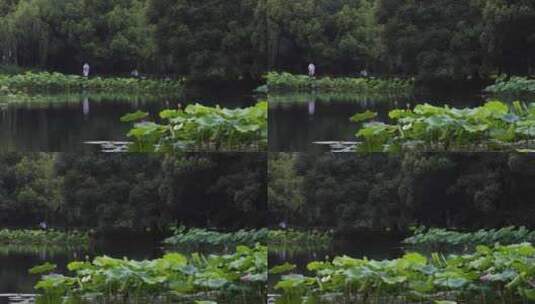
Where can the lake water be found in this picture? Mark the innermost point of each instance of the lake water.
(297, 121)
(15, 262)
(16, 283)
(372, 245)
(63, 123)
(359, 245)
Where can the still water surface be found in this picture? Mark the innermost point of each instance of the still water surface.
(297, 121)
(14, 276)
(377, 246)
(372, 246)
(63, 123)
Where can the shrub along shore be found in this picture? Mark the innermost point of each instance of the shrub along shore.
(512, 85)
(286, 82)
(43, 237)
(201, 236)
(43, 82)
(444, 238)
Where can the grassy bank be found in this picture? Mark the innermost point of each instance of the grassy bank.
(43, 237)
(43, 82)
(286, 82)
(443, 238)
(200, 236)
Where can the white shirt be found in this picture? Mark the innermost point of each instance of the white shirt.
(311, 69)
(86, 70)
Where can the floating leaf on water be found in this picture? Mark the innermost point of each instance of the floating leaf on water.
(368, 115)
(286, 267)
(136, 116)
(44, 268)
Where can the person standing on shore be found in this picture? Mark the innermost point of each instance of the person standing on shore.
(86, 69)
(311, 70)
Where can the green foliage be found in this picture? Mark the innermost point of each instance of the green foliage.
(44, 81)
(247, 38)
(43, 237)
(285, 194)
(501, 273)
(172, 277)
(293, 242)
(289, 82)
(493, 126)
(10, 95)
(29, 191)
(512, 85)
(202, 128)
(45, 268)
(507, 39)
(290, 98)
(284, 268)
(150, 192)
(39, 249)
(432, 39)
(445, 39)
(112, 36)
(199, 236)
(439, 238)
(363, 116)
(144, 192)
(208, 39)
(393, 192)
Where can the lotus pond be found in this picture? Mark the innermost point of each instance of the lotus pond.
(133, 267)
(389, 269)
(274, 238)
(491, 274)
(298, 121)
(16, 259)
(237, 277)
(68, 121)
(200, 128)
(494, 126)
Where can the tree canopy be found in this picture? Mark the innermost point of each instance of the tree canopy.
(386, 192)
(445, 39)
(133, 192)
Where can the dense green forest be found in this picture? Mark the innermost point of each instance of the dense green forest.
(446, 39)
(387, 192)
(132, 192)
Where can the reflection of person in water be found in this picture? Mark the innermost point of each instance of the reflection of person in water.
(85, 106)
(311, 107)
